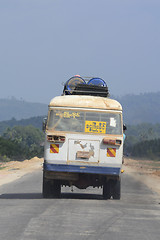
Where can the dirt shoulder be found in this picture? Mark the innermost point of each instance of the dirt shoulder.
(13, 170)
(145, 171)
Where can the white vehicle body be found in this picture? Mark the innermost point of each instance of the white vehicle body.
(83, 144)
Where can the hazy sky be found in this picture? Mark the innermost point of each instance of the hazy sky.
(45, 42)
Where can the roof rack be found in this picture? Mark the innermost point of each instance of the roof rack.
(91, 90)
(78, 86)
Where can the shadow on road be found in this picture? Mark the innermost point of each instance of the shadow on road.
(39, 196)
(81, 196)
(21, 196)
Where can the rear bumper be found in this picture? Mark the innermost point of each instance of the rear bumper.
(81, 169)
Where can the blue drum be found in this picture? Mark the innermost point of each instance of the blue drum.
(71, 84)
(97, 82)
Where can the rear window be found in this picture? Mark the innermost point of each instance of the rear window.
(84, 121)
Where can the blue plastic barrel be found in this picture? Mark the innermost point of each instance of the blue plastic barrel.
(97, 82)
(71, 83)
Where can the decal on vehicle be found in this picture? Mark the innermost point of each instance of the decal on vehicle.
(95, 127)
(54, 148)
(67, 114)
(111, 152)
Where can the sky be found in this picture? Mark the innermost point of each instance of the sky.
(43, 43)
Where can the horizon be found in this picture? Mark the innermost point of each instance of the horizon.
(12, 98)
(136, 108)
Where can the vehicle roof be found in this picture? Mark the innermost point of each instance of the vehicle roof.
(81, 101)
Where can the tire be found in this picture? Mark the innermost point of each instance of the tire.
(107, 190)
(51, 188)
(47, 188)
(56, 190)
(116, 189)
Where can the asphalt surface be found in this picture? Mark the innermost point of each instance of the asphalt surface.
(81, 214)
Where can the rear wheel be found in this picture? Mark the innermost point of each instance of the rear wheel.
(107, 190)
(116, 189)
(51, 188)
(47, 188)
(56, 189)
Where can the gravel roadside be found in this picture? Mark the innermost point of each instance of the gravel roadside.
(13, 170)
(146, 171)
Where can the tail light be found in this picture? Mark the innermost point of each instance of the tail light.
(112, 141)
(56, 138)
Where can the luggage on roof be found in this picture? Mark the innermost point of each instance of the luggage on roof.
(78, 86)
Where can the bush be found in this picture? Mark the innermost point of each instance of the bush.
(21, 143)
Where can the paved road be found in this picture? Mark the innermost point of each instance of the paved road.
(78, 215)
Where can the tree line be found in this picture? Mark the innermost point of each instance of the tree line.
(21, 142)
(18, 142)
(143, 141)
(147, 149)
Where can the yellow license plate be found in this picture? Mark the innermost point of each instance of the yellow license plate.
(95, 127)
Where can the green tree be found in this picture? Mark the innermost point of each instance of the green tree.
(29, 138)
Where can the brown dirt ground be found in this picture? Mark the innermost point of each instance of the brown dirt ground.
(13, 170)
(146, 171)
